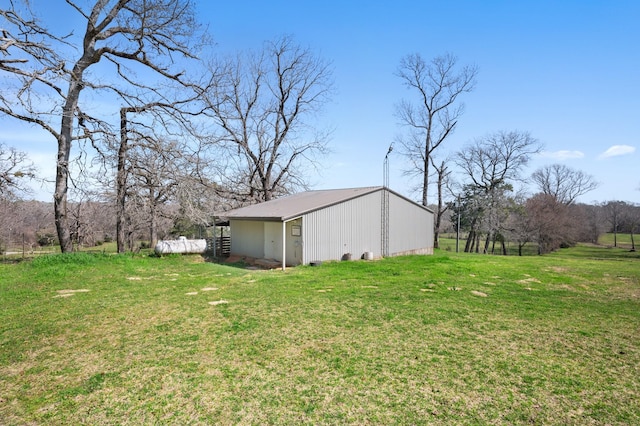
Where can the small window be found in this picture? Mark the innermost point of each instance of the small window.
(296, 230)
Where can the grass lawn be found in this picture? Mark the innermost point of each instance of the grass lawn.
(443, 339)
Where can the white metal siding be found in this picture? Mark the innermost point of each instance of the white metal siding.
(353, 226)
(349, 227)
(410, 227)
(247, 238)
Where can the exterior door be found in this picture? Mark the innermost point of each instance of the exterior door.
(295, 244)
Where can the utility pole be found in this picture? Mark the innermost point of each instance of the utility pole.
(385, 204)
(458, 227)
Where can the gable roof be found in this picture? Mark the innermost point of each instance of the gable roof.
(292, 206)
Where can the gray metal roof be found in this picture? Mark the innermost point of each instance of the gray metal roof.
(292, 206)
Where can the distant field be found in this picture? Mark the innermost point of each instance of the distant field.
(448, 243)
(624, 240)
(443, 339)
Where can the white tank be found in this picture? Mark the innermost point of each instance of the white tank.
(182, 245)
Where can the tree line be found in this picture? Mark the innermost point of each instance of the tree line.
(155, 130)
(186, 128)
(486, 199)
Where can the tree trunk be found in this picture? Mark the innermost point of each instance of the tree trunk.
(486, 243)
(153, 224)
(425, 177)
(468, 246)
(153, 234)
(121, 183)
(60, 194)
(62, 168)
(64, 150)
(436, 232)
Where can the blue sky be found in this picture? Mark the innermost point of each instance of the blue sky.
(565, 71)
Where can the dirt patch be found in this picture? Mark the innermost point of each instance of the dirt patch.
(69, 293)
(210, 289)
(192, 293)
(478, 293)
(558, 269)
(565, 287)
(529, 280)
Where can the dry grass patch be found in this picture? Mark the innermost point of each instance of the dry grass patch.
(69, 293)
(558, 269)
(529, 280)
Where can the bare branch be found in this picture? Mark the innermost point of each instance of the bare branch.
(563, 183)
(437, 86)
(263, 104)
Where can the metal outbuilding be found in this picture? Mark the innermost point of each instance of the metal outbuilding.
(320, 225)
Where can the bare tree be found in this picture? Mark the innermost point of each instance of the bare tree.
(550, 221)
(437, 86)
(629, 220)
(45, 85)
(156, 168)
(264, 105)
(588, 222)
(614, 212)
(443, 174)
(563, 183)
(520, 226)
(492, 164)
(160, 115)
(15, 168)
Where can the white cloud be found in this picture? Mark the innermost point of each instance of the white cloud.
(562, 154)
(617, 150)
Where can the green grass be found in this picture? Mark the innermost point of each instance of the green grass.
(443, 339)
(624, 240)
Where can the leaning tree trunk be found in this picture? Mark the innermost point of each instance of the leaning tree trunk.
(486, 243)
(64, 147)
(62, 165)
